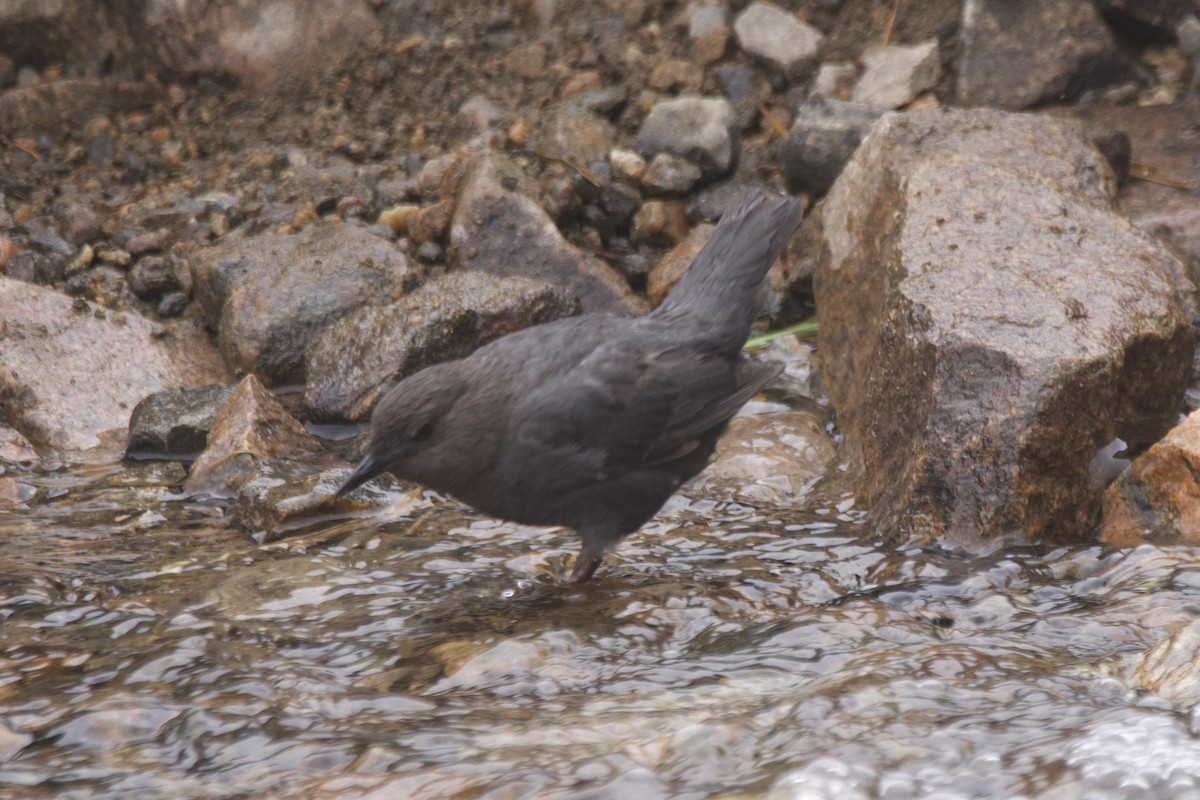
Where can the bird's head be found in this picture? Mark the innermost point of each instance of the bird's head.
(407, 427)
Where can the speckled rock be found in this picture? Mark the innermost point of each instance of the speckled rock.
(71, 371)
(988, 322)
(268, 296)
(358, 358)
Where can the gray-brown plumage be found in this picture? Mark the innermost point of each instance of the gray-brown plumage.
(592, 422)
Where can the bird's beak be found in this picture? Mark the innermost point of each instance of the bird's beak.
(362, 473)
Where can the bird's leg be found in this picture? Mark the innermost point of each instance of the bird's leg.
(585, 566)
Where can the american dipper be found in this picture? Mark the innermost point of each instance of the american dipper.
(592, 422)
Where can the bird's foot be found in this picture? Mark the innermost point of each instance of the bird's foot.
(585, 567)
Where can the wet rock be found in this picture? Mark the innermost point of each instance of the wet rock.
(777, 36)
(508, 660)
(660, 222)
(772, 458)
(358, 358)
(250, 426)
(670, 269)
(699, 129)
(69, 103)
(988, 322)
(1171, 669)
(505, 233)
(576, 135)
(670, 174)
(264, 46)
(280, 497)
(268, 296)
(174, 422)
(1021, 54)
(1158, 498)
(895, 74)
(823, 138)
(15, 448)
(69, 371)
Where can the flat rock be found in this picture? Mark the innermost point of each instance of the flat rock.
(702, 130)
(358, 358)
(777, 36)
(251, 426)
(268, 296)
(174, 423)
(988, 322)
(1021, 54)
(70, 370)
(895, 74)
(823, 137)
(505, 233)
(1157, 499)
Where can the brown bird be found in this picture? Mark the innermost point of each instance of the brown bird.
(592, 422)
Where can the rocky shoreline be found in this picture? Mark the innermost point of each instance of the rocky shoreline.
(319, 200)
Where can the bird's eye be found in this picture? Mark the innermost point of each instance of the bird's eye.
(423, 432)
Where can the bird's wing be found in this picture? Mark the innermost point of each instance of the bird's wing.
(635, 407)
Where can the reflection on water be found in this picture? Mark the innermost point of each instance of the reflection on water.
(148, 650)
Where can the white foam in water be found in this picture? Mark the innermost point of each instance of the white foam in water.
(1137, 755)
(827, 778)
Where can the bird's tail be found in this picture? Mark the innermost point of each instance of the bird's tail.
(721, 287)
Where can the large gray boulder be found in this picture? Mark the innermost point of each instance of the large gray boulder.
(988, 322)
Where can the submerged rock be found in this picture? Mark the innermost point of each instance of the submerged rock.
(70, 370)
(988, 322)
(772, 458)
(269, 296)
(358, 358)
(1158, 498)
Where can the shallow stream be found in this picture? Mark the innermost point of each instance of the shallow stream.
(149, 650)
